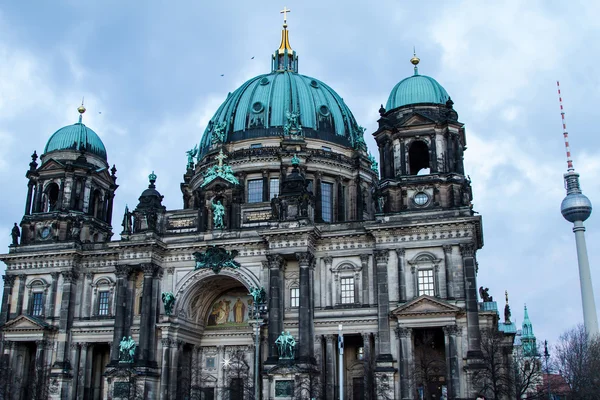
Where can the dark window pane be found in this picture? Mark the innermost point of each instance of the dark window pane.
(255, 191)
(103, 302)
(294, 297)
(273, 187)
(326, 200)
(38, 306)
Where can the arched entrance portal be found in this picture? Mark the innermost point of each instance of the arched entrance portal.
(212, 346)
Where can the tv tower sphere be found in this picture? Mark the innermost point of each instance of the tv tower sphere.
(575, 206)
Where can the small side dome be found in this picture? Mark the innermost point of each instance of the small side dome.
(77, 137)
(416, 89)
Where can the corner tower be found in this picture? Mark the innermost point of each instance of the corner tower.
(421, 145)
(70, 194)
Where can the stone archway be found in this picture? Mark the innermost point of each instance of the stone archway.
(214, 313)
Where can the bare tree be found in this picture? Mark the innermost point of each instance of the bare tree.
(528, 374)
(430, 365)
(577, 359)
(307, 384)
(239, 385)
(9, 383)
(494, 378)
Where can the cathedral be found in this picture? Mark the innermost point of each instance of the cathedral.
(299, 265)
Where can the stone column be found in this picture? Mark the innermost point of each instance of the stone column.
(305, 312)
(82, 371)
(400, 252)
(364, 262)
(330, 357)
(21, 294)
(452, 366)
(155, 310)
(164, 370)
(326, 282)
(368, 366)
(30, 185)
(449, 273)
(318, 202)
(52, 300)
(383, 307)
(66, 318)
(39, 360)
(109, 207)
(474, 334)
(148, 317)
(276, 263)
(86, 302)
(405, 360)
(121, 327)
(174, 367)
(75, 365)
(9, 281)
(37, 201)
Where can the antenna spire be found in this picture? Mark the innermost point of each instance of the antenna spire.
(570, 167)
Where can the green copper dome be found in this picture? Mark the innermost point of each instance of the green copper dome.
(281, 103)
(76, 137)
(417, 89)
(261, 107)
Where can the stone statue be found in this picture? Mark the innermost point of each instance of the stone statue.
(218, 132)
(259, 295)
(484, 294)
(275, 213)
(75, 232)
(168, 299)
(127, 223)
(190, 155)
(218, 214)
(127, 350)
(507, 314)
(15, 233)
(292, 126)
(286, 345)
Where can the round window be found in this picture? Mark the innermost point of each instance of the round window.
(264, 81)
(257, 107)
(421, 198)
(314, 83)
(324, 111)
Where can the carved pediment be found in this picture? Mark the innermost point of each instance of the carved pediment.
(425, 305)
(26, 323)
(417, 119)
(51, 164)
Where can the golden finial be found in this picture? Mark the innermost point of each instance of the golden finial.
(285, 39)
(415, 60)
(81, 108)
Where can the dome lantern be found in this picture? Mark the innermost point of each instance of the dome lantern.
(285, 58)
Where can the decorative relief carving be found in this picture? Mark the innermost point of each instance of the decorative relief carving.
(304, 258)
(447, 248)
(467, 250)
(451, 330)
(328, 260)
(69, 276)
(400, 251)
(275, 261)
(403, 332)
(364, 259)
(9, 280)
(122, 271)
(381, 256)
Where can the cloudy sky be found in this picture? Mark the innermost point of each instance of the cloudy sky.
(151, 77)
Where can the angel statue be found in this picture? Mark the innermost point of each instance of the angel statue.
(168, 299)
(190, 155)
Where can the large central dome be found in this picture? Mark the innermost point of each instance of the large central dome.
(271, 104)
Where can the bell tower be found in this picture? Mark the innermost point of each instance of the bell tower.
(421, 145)
(70, 192)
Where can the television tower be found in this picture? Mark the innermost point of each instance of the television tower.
(576, 208)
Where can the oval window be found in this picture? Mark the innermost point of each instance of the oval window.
(257, 107)
(421, 198)
(324, 111)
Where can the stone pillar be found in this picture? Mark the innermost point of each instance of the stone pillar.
(405, 349)
(318, 202)
(164, 371)
(174, 367)
(30, 185)
(148, 317)
(265, 186)
(86, 301)
(368, 366)
(51, 304)
(65, 321)
(364, 262)
(452, 365)
(330, 369)
(75, 365)
(156, 307)
(39, 360)
(109, 207)
(383, 307)
(81, 384)
(328, 291)
(37, 201)
(9, 281)
(400, 252)
(305, 312)
(121, 327)
(276, 263)
(21, 294)
(474, 334)
(449, 273)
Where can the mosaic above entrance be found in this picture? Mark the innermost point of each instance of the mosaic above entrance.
(230, 310)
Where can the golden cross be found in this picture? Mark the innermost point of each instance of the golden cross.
(284, 12)
(220, 158)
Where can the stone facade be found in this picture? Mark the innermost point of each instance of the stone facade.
(391, 259)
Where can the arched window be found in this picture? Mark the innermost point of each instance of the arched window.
(418, 158)
(96, 204)
(425, 270)
(50, 197)
(103, 296)
(347, 283)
